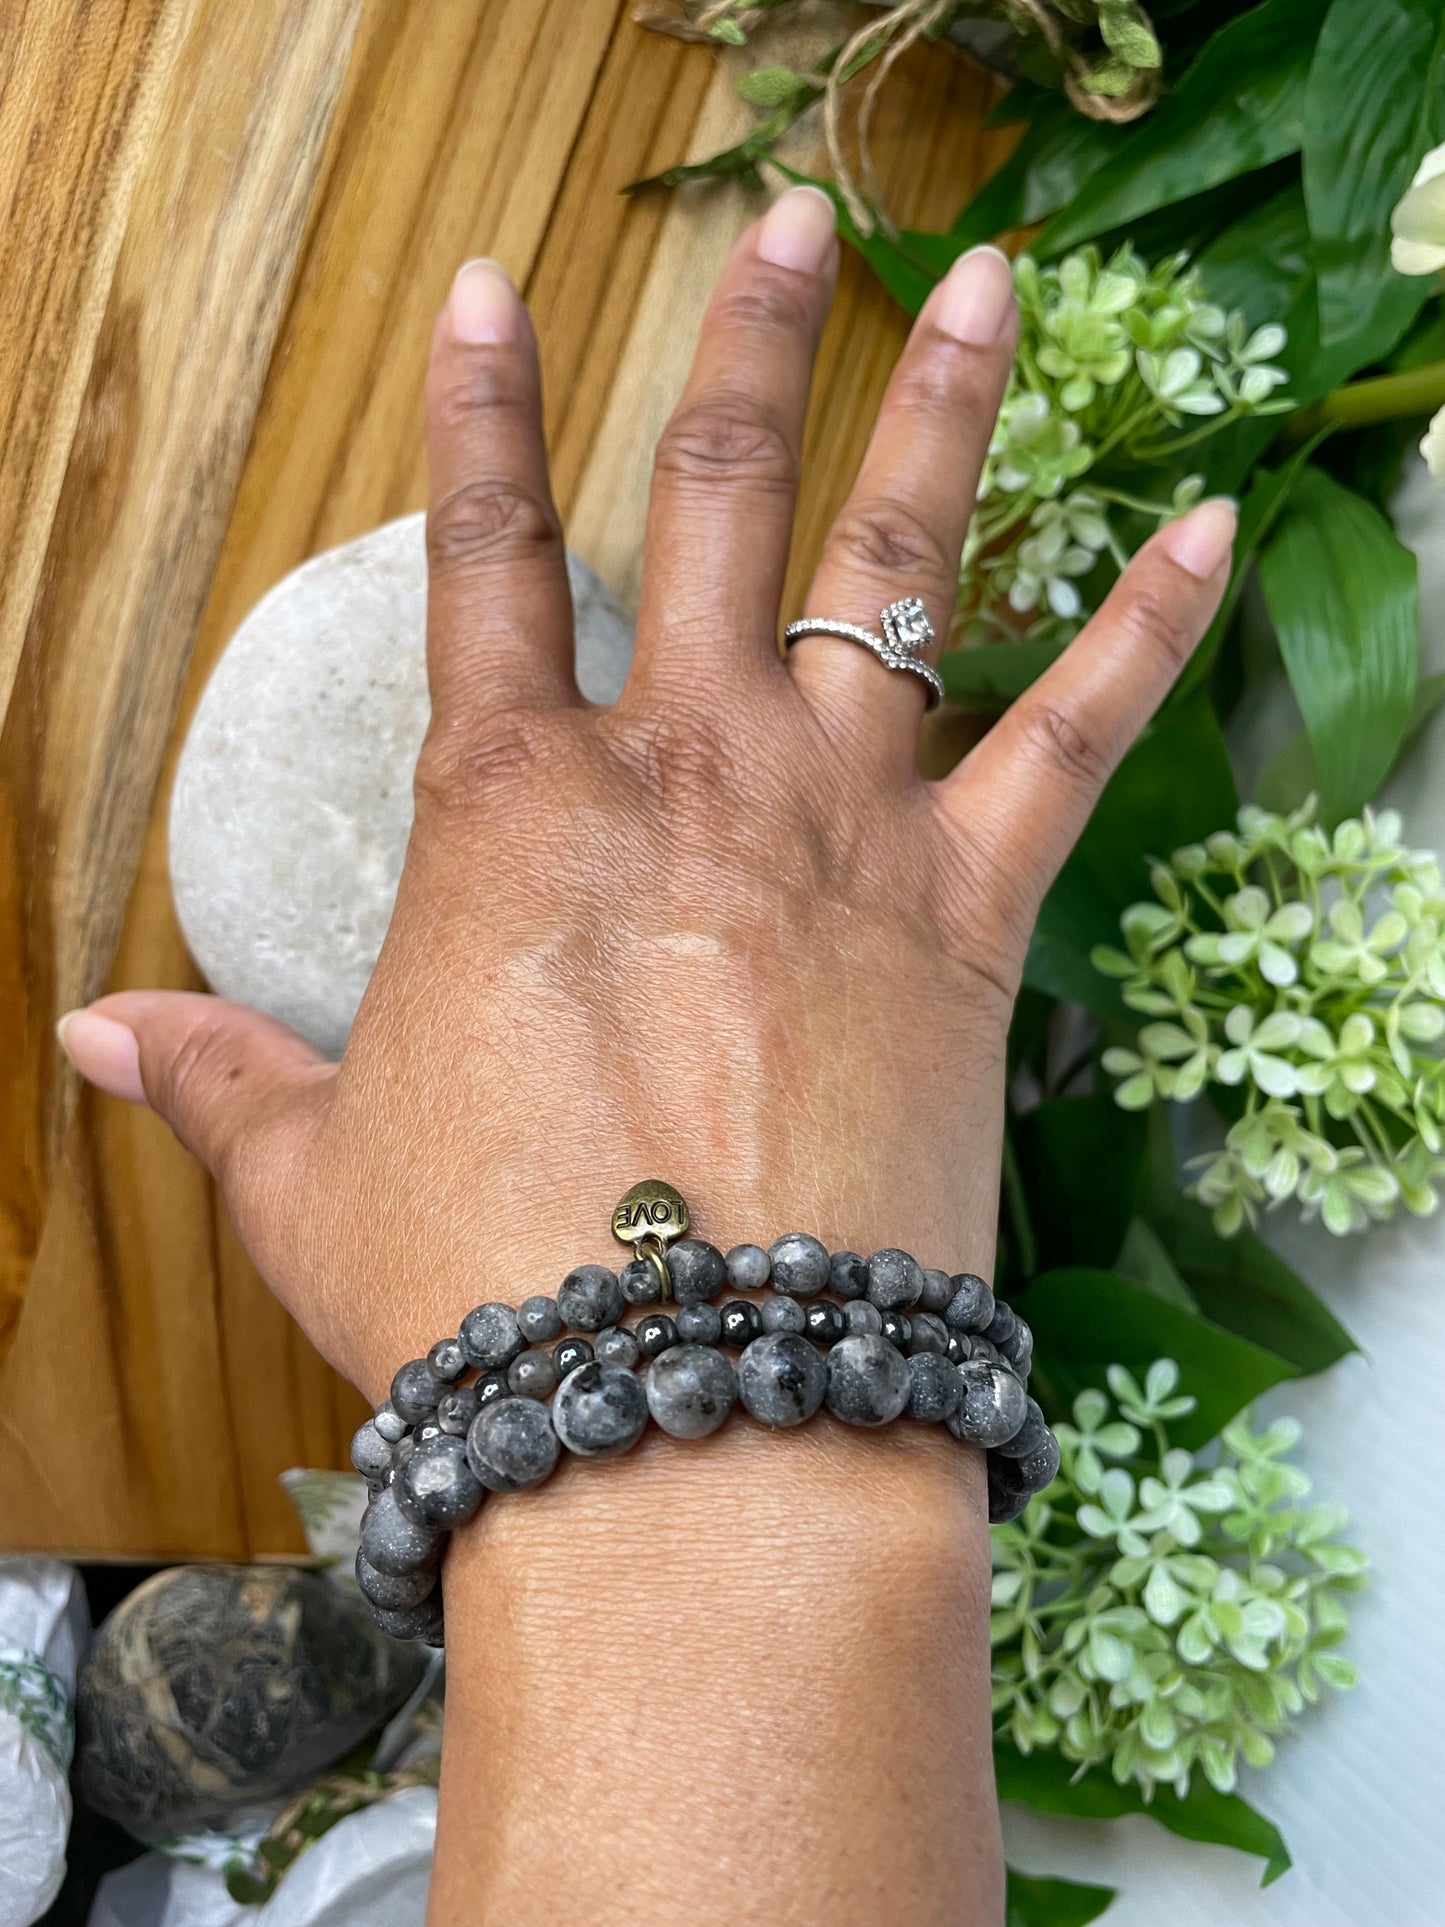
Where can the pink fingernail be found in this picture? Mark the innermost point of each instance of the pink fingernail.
(799, 231)
(1201, 541)
(976, 298)
(104, 1052)
(484, 306)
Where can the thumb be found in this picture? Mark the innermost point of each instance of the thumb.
(218, 1073)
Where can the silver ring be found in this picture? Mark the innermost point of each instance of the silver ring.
(907, 632)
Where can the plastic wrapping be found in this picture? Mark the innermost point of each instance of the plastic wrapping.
(44, 1627)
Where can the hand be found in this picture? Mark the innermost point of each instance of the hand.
(722, 932)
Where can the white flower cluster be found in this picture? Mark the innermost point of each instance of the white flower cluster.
(1417, 246)
(1307, 971)
(1114, 358)
(1154, 1616)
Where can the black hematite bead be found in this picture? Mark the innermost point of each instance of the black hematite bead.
(698, 1271)
(640, 1282)
(823, 1322)
(930, 1334)
(489, 1386)
(800, 1265)
(539, 1319)
(960, 1347)
(655, 1334)
(571, 1353)
(428, 1429)
(741, 1322)
(897, 1329)
(699, 1324)
(847, 1275)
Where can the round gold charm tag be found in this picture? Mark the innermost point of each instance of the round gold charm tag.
(651, 1209)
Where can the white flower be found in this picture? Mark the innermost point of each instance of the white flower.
(1255, 1050)
(1418, 222)
(1432, 446)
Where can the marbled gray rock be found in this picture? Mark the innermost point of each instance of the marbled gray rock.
(690, 1390)
(994, 1405)
(781, 1379)
(599, 1411)
(868, 1381)
(512, 1445)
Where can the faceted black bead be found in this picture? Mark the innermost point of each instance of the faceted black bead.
(491, 1337)
(749, 1267)
(640, 1282)
(971, 1305)
(415, 1391)
(898, 1329)
(616, 1346)
(782, 1314)
(960, 1347)
(929, 1334)
(937, 1291)
(589, 1297)
(456, 1410)
(741, 1322)
(532, 1375)
(447, 1360)
(699, 1324)
(655, 1334)
(698, 1271)
(539, 1319)
(800, 1265)
(847, 1275)
(935, 1390)
(895, 1281)
(823, 1322)
(571, 1353)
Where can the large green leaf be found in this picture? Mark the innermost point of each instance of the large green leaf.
(1373, 105)
(1034, 1902)
(1085, 1320)
(1061, 149)
(909, 263)
(1239, 107)
(990, 676)
(1343, 597)
(1084, 1160)
(1045, 1782)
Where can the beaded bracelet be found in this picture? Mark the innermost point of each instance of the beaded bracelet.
(903, 1341)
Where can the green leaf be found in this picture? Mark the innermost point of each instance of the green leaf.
(1343, 597)
(909, 264)
(1085, 1320)
(1143, 1257)
(1060, 151)
(1174, 787)
(1086, 1157)
(773, 87)
(992, 675)
(1374, 104)
(1034, 1902)
(1239, 107)
(1045, 1782)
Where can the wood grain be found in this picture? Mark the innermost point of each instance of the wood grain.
(503, 127)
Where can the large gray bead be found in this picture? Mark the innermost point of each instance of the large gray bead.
(868, 1382)
(392, 1591)
(799, 1265)
(532, 1374)
(437, 1487)
(616, 1346)
(491, 1337)
(781, 1379)
(895, 1281)
(1030, 1435)
(691, 1390)
(698, 1271)
(847, 1275)
(927, 1332)
(971, 1306)
(934, 1391)
(599, 1411)
(422, 1621)
(394, 1543)
(415, 1391)
(512, 1445)
(589, 1298)
(781, 1314)
(370, 1453)
(698, 1325)
(1040, 1467)
(937, 1291)
(860, 1316)
(994, 1405)
(749, 1267)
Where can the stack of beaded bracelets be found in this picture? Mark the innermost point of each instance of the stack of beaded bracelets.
(902, 1341)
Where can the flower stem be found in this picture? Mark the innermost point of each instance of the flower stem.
(1380, 398)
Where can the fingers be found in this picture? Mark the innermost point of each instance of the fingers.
(726, 468)
(901, 530)
(1026, 792)
(499, 614)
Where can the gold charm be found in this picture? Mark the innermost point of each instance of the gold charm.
(649, 1218)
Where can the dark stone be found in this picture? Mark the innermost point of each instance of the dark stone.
(415, 1391)
(1002, 1328)
(512, 1445)
(960, 1347)
(1018, 1347)
(370, 1453)
(994, 1405)
(1008, 1491)
(491, 1337)
(655, 1334)
(781, 1379)
(616, 1346)
(782, 1314)
(699, 1325)
(539, 1319)
(749, 1267)
(391, 1541)
(937, 1291)
(690, 1390)
(571, 1353)
(823, 1322)
(389, 1422)
(897, 1328)
(589, 1298)
(492, 1385)
(971, 1305)
(800, 1265)
(1039, 1468)
(437, 1488)
(600, 1410)
(698, 1271)
(868, 1380)
(847, 1275)
(639, 1282)
(934, 1390)
(742, 1322)
(447, 1360)
(532, 1374)
(420, 1622)
(895, 1281)
(457, 1409)
(391, 1591)
(860, 1316)
(929, 1333)
(213, 1688)
(1030, 1435)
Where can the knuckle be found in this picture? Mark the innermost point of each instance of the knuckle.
(723, 440)
(490, 521)
(467, 391)
(766, 305)
(1151, 618)
(207, 1063)
(938, 384)
(891, 537)
(1054, 737)
(455, 771)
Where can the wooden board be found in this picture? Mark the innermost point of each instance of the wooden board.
(299, 193)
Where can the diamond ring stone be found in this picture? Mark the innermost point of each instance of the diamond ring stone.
(907, 632)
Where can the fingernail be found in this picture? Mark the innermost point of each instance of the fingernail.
(799, 231)
(104, 1052)
(976, 298)
(484, 306)
(1201, 540)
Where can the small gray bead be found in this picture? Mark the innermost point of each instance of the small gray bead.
(860, 1316)
(1040, 1467)
(749, 1267)
(428, 1429)
(414, 1391)
(781, 1314)
(392, 1542)
(895, 1281)
(392, 1591)
(928, 1333)
(994, 1405)
(1018, 1346)
(699, 1324)
(690, 1390)
(512, 1445)
(457, 1409)
(639, 1282)
(1030, 1435)
(599, 1411)
(1002, 1328)
(389, 1422)
(370, 1453)
(934, 1391)
(781, 1379)
(981, 1349)
(491, 1337)
(847, 1275)
(589, 1298)
(532, 1375)
(422, 1621)
(698, 1271)
(616, 1346)
(437, 1487)
(447, 1360)
(539, 1319)
(868, 1380)
(800, 1265)
(937, 1291)
(971, 1305)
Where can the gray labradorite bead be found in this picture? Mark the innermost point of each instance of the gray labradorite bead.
(393, 1591)
(895, 1281)
(491, 1337)
(749, 1267)
(539, 1319)
(1030, 1435)
(532, 1375)
(981, 1349)
(937, 1291)
(860, 1316)
(698, 1325)
(415, 1391)
(457, 1409)
(800, 1265)
(928, 1333)
(971, 1306)
(422, 1621)
(1008, 1492)
(370, 1453)
(640, 1282)
(616, 1346)
(447, 1360)
(590, 1298)
(847, 1275)
(781, 1314)
(511, 1445)
(1018, 1349)
(1039, 1467)
(994, 1405)
(698, 1271)
(1002, 1328)
(691, 1390)
(868, 1381)
(599, 1411)
(437, 1487)
(389, 1422)
(934, 1391)
(781, 1379)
